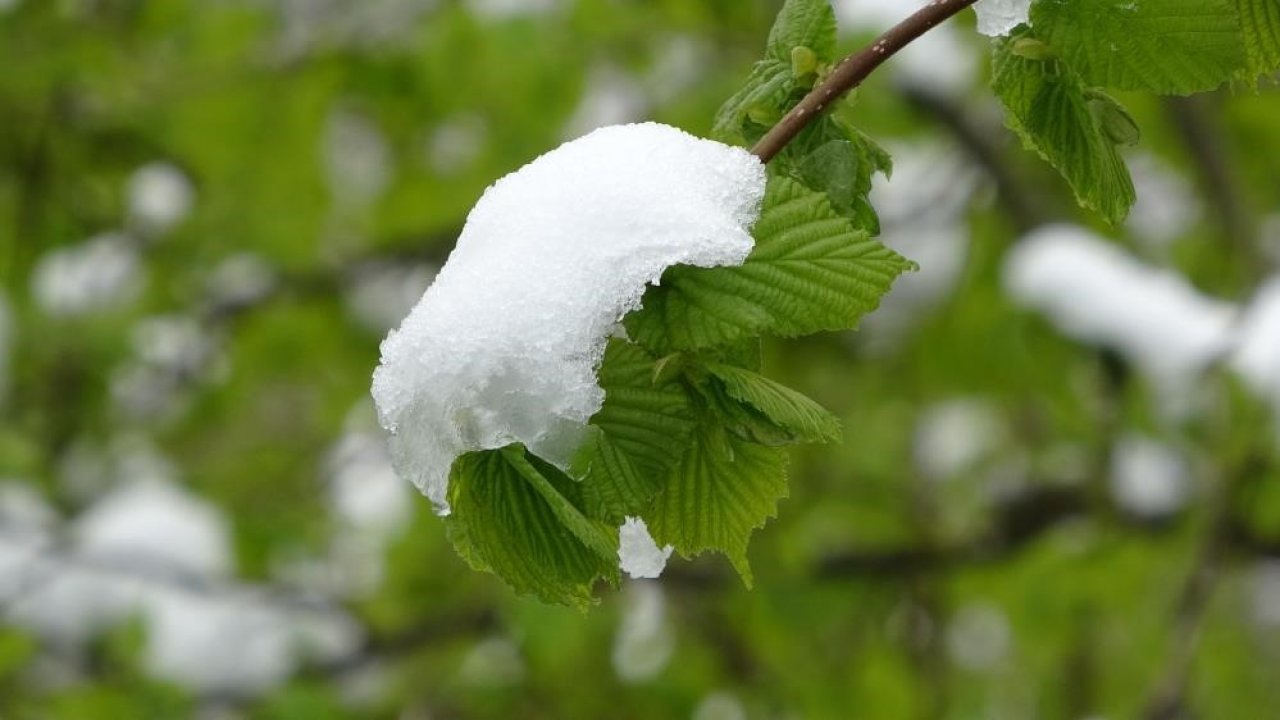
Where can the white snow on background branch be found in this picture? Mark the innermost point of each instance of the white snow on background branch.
(98, 275)
(160, 196)
(1149, 479)
(1257, 356)
(154, 551)
(998, 17)
(504, 345)
(1096, 292)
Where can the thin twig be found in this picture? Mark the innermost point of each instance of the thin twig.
(851, 72)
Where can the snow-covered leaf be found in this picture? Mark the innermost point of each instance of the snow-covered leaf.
(505, 344)
(811, 271)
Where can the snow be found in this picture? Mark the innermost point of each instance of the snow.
(1096, 292)
(1265, 595)
(240, 280)
(456, 143)
(979, 637)
(160, 196)
(998, 17)
(1257, 355)
(638, 555)
(100, 274)
(720, 705)
(1149, 479)
(504, 346)
(1167, 206)
(155, 523)
(151, 550)
(357, 158)
(953, 436)
(493, 662)
(645, 640)
(506, 9)
(379, 294)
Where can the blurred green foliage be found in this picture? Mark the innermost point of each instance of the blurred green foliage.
(873, 580)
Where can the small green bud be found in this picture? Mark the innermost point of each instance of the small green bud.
(803, 61)
(1032, 49)
(764, 115)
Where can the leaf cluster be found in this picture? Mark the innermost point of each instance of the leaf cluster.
(690, 434)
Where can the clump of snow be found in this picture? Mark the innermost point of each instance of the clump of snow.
(645, 639)
(160, 196)
(1166, 207)
(978, 637)
(720, 705)
(380, 294)
(638, 555)
(239, 280)
(157, 524)
(1266, 594)
(493, 662)
(101, 274)
(1148, 478)
(151, 550)
(1096, 292)
(504, 9)
(504, 346)
(456, 143)
(1257, 355)
(357, 158)
(951, 437)
(998, 17)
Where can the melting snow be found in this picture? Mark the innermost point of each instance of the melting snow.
(638, 555)
(998, 17)
(1096, 292)
(504, 345)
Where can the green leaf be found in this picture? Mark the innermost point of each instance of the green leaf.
(1055, 115)
(803, 23)
(1174, 47)
(647, 421)
(514, 516)
(800, 417)
(614, 487)
(832, 157)
(722, 490)
(768, 92)
(1260, 27)
(764, 96)
(594, 535)
(810, 271)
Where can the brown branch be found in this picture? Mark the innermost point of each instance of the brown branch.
(851, 72)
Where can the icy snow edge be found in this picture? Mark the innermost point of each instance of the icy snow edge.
(504, 346)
